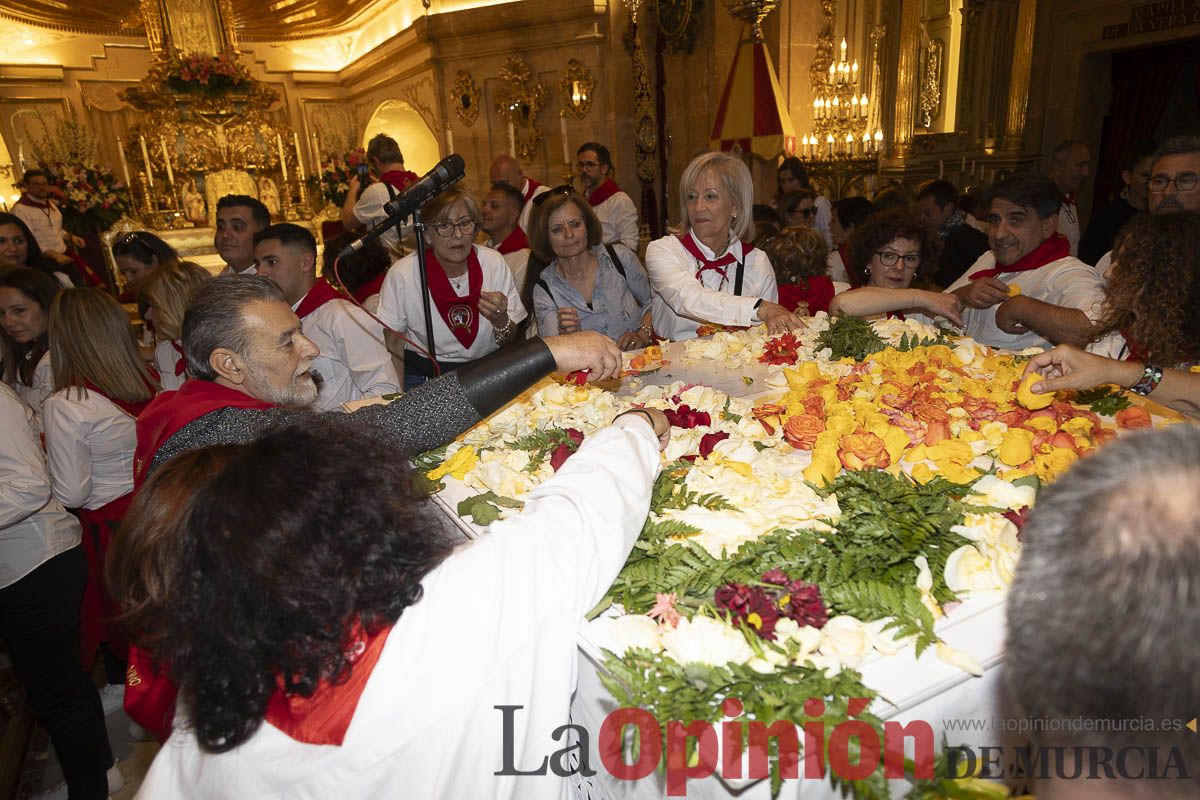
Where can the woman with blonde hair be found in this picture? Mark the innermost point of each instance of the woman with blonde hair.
(707, 274)
(101, 385)
(166, 292)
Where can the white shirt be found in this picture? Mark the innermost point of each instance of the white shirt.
(354, 362)
(1068, 225)
(497, 625)
(527, 209)
(369, 210)
(1102, 267)
(682, 303)
(517, 260)
(34, 527)
(822, 218)
(89, 448)
(401, 309)
(250, 270)
(837, 267)
(45, 224)
(1067, 282)
(619, 221)
(35, 394)
(165, 359)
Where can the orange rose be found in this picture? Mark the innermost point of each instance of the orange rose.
(814, 404)
(928, 412)
(938, 431)
(1134, 417)
(1063, 440)
(863, 450)
(801, 430)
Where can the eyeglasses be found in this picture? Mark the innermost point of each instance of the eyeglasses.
(446, 229)
(587, 165)
(1183, 183)
(889, 258)
(564, 189)
(807, 213)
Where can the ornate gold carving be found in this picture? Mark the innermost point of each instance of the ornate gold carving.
(931, 82)
(520, 104)
(102, 96)
(677, 23)
(465, 98)
(646, 134)
(577, 86)
(752, 12)
(1018, 86)
(906, 78)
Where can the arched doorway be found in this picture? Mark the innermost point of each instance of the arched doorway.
(403, 123)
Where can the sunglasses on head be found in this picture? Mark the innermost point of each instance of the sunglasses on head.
(565, 188)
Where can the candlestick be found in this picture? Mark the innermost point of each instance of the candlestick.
(146, 159)
(449, 139)
(299, 158)
(124, 163)
(854, 70)
(512, 140)
(878, 140)
(829, 145)
(854, 106)
(849, 144)
(963, 166)
(866, 144)
(562, 121)
(832, 72)
(843, 48)
(162, 140)
(941, 169)
(282, 156)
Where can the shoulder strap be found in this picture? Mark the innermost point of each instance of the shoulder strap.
(546, 288)
(737, 278)
(612, 253)
(391, 190)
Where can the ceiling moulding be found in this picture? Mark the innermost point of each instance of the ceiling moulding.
(86, 17)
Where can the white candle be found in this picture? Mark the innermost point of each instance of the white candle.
(124, 163)
(162, 140)
(562, 121)
(878, 140)
(512, 140)
(849, 144)
(854, 106)
(941, 169)
(146, 160)
(299, 158)
(282, 155)
(829, 145)
(449, 139)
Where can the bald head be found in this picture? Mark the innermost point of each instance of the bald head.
(506, 169)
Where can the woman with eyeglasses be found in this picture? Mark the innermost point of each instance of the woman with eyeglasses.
(25, 298)
(474, 303)
(797, 208)
(709, 273)
(587, 285)
(791, 177)
(888, 253)
(19, 248)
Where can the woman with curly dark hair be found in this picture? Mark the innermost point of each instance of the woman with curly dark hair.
(888, 254)
(1152, 302)
(349, 615)
(800, 259)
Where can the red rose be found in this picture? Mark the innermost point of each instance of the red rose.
(565, 451)
(687, 417)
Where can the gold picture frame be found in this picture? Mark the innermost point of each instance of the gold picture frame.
(578, 86)
(465, 98)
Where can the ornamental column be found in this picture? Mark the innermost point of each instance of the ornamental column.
(1018, 85)
(906, 78)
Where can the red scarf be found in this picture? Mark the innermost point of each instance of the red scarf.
(371, 287)
(531, 187)
(325, 717)
(603, 192)
(399, 179)
(170, 411)
(461, 314)
(180, 361)
(1052, 249)
(717, 265)
(131, 407)
(517, 240)
(97, 606)
(321, 293)
(41, 205)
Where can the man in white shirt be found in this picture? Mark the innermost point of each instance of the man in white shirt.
(239, 217)
(1057, 296)
(354, 362)
(499, 212)
(364, 210)
(42, 215)
(618, 216)
(1069, 168)
(506, 169)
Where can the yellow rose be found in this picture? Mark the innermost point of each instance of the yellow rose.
(954, 472)
(1078, 426)
(1016, 447)
(1047, 424)
(457, 465)
(954, 450)
(922, 473)
(824, 467)
(993, 432)
(1027, 398)
(1049, 466)
(918, 452)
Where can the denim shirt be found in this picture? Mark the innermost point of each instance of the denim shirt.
(618, 304)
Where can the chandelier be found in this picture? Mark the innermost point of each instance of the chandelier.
(840, 113)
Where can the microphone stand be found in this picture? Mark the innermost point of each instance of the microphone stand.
(419, 231)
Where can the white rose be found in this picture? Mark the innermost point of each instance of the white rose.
(628, 631)
(967, 570)
(806, 637)
(846, 639)
(998, 493)
(957, 658)
(704, 640)
(987, 528)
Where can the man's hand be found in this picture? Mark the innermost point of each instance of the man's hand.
(1010, 315)
(657, 420)
(494, 307)
(78, 241)
(777, 318)
(983, 293)
(1067, 367)
(586, 350)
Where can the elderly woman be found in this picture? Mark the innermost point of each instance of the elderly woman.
(707, 274)
(886, 253)
(587, 285)
(474, 303)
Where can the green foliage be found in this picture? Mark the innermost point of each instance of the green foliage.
(729, 415)
(1103, 400)
(541, 444)
(484, 509)
(670, 492)
(908, 343)
(850, 337)
(430, 459)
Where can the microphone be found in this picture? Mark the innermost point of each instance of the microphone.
(449, 171)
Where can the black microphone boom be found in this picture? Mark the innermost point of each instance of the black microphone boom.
(449, 171)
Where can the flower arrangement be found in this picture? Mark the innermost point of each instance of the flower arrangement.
(89, 195)
(334, 178)
(208, 74)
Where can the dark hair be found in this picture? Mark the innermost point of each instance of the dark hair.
(21, 359)
(384, 149)
(290, 575)
(216, 318)
(880, 229)
(795, 166)
(600, 150)
(34, 173)
(1098, 615)
(891, 199)
(259, 212)
(798, 253)
(539, 235)
(1063, 149)
(143, 246)
(942, 192)
(288, 234)
(509, 191)
(1140, 151)
(1187, 144)
(355, 269)
(852, 211)
(33, 258)
(789, 201)
(1027, 191)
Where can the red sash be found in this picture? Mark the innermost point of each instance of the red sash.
(325, 717)
(718, 265)
(399, 179)
(170, 411)
(461, 314)
(180, 361)
(1052, 249)
(371, 287)
(603, 192)
(99, 526)
(531, 187)
(149, 694)
(517, 240)
(131, 407)
(815, 295)
(321, 293)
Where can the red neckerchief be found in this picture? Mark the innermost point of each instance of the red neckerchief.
(718, 265)
(170, 411)
(131, 407)
(26, 200)
(517, 240)
(603, 192)
(1052, 249)
(180, 361)
(373, 286)
(321, 293)
(325, 717)
(1069, 198)
(461, 314)
(399, 179)
(531, 187)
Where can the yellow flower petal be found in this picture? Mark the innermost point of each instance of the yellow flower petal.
(456, 466)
